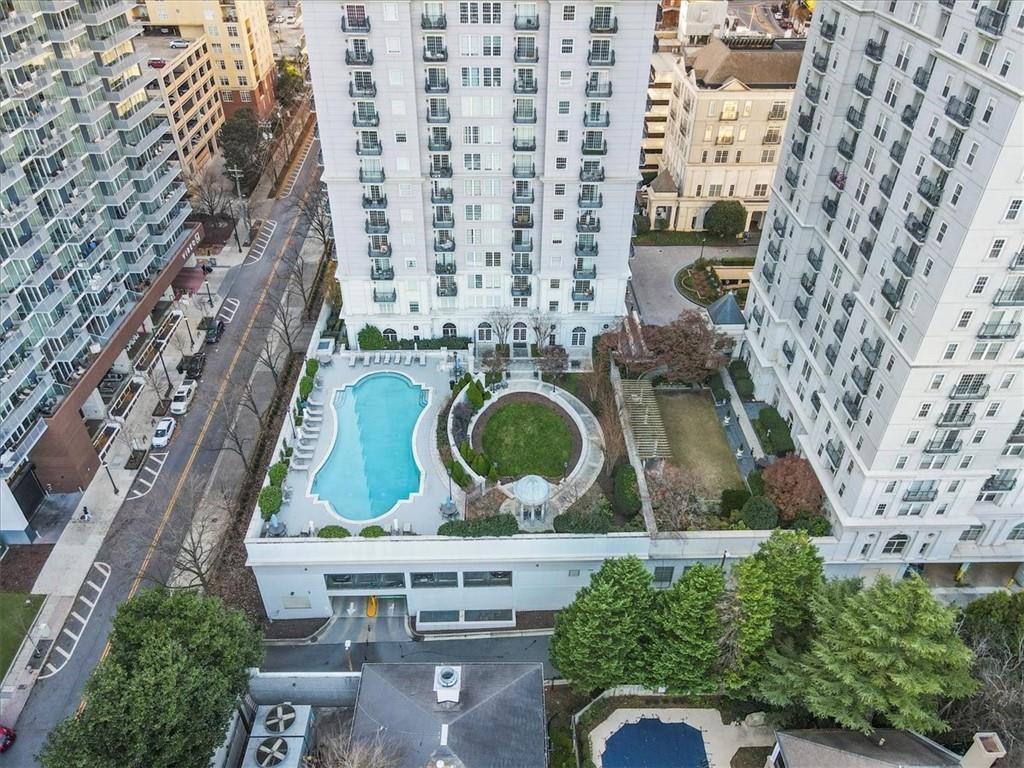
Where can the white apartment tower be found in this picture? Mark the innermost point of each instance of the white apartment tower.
(885, 312)
(481, 156)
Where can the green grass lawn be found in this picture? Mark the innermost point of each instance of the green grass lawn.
(697, 440)
(16, 616)
(527, 439)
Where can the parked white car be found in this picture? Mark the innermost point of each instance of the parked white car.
(183, 397)
(164, 431)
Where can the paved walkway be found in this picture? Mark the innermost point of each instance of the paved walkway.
(720, 740)
(739, 415)
(654, 276)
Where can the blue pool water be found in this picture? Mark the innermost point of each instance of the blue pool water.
(371, 466)
(654, 744)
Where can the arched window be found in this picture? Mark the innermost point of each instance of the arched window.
(896, 544)
(519, 332)
(1016, 533)
(579, 336)
(484, 332)
(448, 330)
(390, 335)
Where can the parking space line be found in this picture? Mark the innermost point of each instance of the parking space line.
(93, 586)
(103, 569)
(293, 176)
(62, 652)
(228, 310)
(86, 600)
(143, 485)
(259, 245)
(75, 614)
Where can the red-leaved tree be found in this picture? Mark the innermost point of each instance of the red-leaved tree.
(689, 347)
(792, 486)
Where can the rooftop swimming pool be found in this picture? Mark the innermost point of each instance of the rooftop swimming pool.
(372, 466)
(650, 743)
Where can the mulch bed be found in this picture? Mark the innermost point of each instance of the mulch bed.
(576, 449)
(216, 231)
(486, 505)
(292, 629)
(21, 565)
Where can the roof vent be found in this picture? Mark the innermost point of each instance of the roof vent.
(280, 718)
(447, 683)
(272, 751)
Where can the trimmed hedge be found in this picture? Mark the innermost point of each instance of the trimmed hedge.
(815, 525)
(626, 492)
(780, 441)
(459, 476)
(333, 532)
(269, 501)
(373, 532)
(733, 499)
(718, 388)
(760, 514)
(495, 525)
(744, 388)
(756, 483)
(371, 338)
(277, 473)
(598, 520)
(305, 387)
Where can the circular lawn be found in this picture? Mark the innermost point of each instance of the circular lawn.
(528, 437)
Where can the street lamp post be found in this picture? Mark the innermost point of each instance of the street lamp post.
(209, 295)
(160, 354)
(117, 491)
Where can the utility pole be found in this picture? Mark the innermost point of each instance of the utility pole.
(237, 174)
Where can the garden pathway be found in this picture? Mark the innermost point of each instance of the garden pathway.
(645, 420)
(753, 445)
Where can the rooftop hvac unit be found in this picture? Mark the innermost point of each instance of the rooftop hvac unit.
(285, 719)
(280, 736)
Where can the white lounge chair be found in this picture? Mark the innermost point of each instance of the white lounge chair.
(423, 359)
(407, 529)
(396, 527)
(408, 359)
(376, 358)
(352, 361)
(366, 361)
(300, 465)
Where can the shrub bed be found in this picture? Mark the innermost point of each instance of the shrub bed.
(333, 532)
(741, 379)
(495, 525)
(626, 491)
(373, 532)
(773, 432)
(371, 338)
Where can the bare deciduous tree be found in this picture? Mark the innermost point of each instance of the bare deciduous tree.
(495, 362)
(210, 193)
(678, 498)
(501, 323)
(269, 353)
(286, 327)
(337, 749)
(314, 210)
(196, 559)
(294, 269)
(607, 413)
(554, 360)
(542, 325)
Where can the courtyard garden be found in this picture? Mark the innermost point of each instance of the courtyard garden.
(697, 441)
(527, 438)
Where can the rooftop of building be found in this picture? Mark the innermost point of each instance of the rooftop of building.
(466, 718)
(726, 311)
(159, 47)
(885, 748)
(756, 63)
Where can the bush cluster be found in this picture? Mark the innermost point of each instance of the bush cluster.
(306, 387)
(373, 532)
(371, 339)
(741, 378)
(760, 514)
(312, 367)
(733, 499)
(277, 473)
(333, 532)
(626, 491)
(269, 501)
(495, 525)
(478, 461)
(598, 519)
(773, 432)
(718, 388)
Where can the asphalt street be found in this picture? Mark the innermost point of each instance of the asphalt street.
(163, 514)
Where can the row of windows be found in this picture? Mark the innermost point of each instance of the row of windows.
(468, 615)
(354, 581)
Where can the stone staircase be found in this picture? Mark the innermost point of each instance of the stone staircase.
(645, 420)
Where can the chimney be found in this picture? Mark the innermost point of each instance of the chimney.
(986, 749)
(447, 684)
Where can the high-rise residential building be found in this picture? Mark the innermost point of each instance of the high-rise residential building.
(186, 83)
(239, 39)
(727, 108)
(481, 156)
(885, 314)
(92, 232)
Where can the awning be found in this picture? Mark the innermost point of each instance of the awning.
(188, 280)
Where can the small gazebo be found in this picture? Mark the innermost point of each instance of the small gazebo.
(532, 493)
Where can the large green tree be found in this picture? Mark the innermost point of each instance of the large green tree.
(794, 572)
(599, 638)
(242, 143)
(752, 624)
(888, 655)
(726, 218)
(687, 631)
(164, 693)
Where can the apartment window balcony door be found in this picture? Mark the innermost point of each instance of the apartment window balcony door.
(520, 346)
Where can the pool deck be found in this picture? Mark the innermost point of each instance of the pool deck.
(720, 740)
(421, 511)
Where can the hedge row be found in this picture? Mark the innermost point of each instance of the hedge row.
(371, 338)
(495, 525)
(626, 491)
(773, 432)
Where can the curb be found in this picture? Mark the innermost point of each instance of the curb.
(486, 635)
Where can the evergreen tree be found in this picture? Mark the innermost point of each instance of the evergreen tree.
(599, 638)
(687, 631)
(888, 655)
(794, 571)
(754, 614)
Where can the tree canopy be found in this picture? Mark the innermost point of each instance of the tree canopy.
(689, 348)
(165, 692)
(241, 141)
(792, 486)
(289, 84)
(726, 218)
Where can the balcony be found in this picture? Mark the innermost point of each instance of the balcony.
(523, 198)
(832, 353)
(917, 227)
(792, 177)
(768, 272)
(444, 245)
(592, 175)
(758, 315)
(820, 62)
(522, 246)
(828, 30)
(855, 118)
(909, 115)
(524, 117)
(522, 267)
(848, 302)
(779, 226)
(382, 273)
(522, 289)
(368, 150)
(839, 328)
(375, 203)
(788, 351)
(852, 403)
(432, 21)
(924, 494)
(524, 145)
(365, 91)
(886, 184)
(943, 446)
(355, 25)
(774, 249)
(801, 305)
(598, 90)
(862, 378)
(447, 289)
(872, 352)
(955, 419)
(442, 267)
(443, 222)
(807, 282)
(959, 111)
(904, 263)
(1009, 297)
(585, 251)
(898, 151)
(1017, 262)
(436, 85)
(922, 77)
(522, 221)
(526, 22)
(435, 55)
(893, 294)
(813, 93)
(585, 225)
(835, 453)
(944, 153)
(814, 258)
(969, 393)
(990, 21)
(998, 483)
(379, 251)
(864, 85)
(602, 120)
(590, 202)
(385, 297)
(364, 58)
(875, 217)
(830, 206)
(580, 272)
(838, 178)
(866, 246)
(365, 121)
(846, 147)
(526, 56)
(584, 294)
(524, 171)
(377, 229)
(594, 149)
(371, 176)
(874, 50)
(524, 86)
(439, 116)
(999, 331)
(800, 150)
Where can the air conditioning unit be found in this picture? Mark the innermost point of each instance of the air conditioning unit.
(281, 735)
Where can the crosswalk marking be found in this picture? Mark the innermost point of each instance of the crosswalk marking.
(259, 245)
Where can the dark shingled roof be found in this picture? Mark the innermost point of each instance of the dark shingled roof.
(815, 748)
(716, 64)
(664, 182)
(498, 721)
(726, 311)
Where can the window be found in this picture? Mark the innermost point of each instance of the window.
(559, 189)
(1016, 533)
(435, 579)
(972, 533)
(880, 509)
(985, 55)
(563, 136)
(568, 13)
(663, 574)
(437, 617)
(950, 352)
(244, 95)
(493, 614)
(767, 155)
(990, 107)
(760, 190)
(563, 107)
(1013, 211)
(390, 334)
(567, 45)
(1004, 68)
(972, 154)
(979, 285)
(487, 579)
(896, 544)
(721, 155)
(958, 190)
(349, 581)
(579, 336)
(484, 332)
(965, 318)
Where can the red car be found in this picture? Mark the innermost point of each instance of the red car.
(7, 736)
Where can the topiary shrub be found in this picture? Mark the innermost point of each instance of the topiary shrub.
(745, 388)
(370, 338)
(305, 387)
(312, 366)
(626, 492)
(759, 514)
(277, 473)
(481, 465)
(718, 390)
(815, 525)
(493, 474)
(726, 218)
(495, 525)
(334, 532)
(373, 532)
(733, 499)
(461, 414)
(459, 475)
(773, 432)
(475, 395)
(269, 501)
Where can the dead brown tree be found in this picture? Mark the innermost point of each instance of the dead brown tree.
(210, 193)
(542, 325)
(501, 324)
(336, 748)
